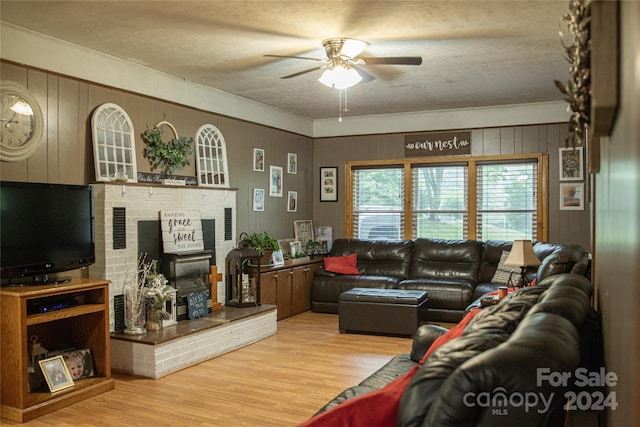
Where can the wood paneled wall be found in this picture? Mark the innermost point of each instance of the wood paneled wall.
(564, 226)
(65, 154)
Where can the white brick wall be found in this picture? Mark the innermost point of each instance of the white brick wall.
(155, 361)
(143, 203)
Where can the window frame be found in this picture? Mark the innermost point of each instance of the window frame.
(542, 224)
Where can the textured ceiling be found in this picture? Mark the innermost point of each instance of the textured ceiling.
(475, 53)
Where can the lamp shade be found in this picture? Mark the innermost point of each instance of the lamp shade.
(522, 254)
(340, 77)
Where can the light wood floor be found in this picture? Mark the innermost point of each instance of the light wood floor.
(279, 381)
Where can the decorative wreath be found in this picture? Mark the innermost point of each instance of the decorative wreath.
(169, 156)
(578, 55)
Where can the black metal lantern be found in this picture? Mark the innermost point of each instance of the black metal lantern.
(242, 278)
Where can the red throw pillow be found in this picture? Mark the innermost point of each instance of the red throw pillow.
(342, 264)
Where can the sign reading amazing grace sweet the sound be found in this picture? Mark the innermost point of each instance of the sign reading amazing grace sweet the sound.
(181, 231)
(437, 144)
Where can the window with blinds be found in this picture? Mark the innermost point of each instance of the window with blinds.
(479, 198)
(378, 203)
(507, 207)
(440, 198)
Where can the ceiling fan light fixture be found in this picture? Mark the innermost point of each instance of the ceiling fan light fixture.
(340, 77)
(352, 47)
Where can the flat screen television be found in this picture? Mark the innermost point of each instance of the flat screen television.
(44, 228)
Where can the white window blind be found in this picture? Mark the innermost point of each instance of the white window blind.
(440, 200)
(378, 201)
(507, 201)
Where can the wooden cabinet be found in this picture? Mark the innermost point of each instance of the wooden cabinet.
(84, 325)
(289, 286)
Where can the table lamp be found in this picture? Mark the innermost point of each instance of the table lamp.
(522, 255)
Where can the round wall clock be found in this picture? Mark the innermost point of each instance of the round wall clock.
(21, 122)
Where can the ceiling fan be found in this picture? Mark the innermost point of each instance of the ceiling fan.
(342, 56)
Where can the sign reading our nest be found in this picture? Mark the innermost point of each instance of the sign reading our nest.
(437, 144)
(181, 231)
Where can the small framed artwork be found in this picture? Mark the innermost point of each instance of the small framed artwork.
(277, 258)
(296, 248)
(292, 163)
(258, 159)
(292, 204)
(303, 230)
(571, 164)
(572, 197)
(258, 199)
(275, 181)
(329, 184)
(56, 373)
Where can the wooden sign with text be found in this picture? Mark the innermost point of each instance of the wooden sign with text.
(437, 144)
(181, 231)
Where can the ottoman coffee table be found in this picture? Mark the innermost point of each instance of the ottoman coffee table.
(382, 311)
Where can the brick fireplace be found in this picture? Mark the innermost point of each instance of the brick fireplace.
(117, 239)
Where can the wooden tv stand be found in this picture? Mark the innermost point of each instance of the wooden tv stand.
(85, 326)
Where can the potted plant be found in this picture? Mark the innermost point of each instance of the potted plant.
(263, 244)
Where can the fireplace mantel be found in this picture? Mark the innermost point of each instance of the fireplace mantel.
(143, 202)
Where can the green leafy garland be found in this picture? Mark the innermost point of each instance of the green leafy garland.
(175, 154)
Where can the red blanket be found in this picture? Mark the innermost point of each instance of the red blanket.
(380, 407)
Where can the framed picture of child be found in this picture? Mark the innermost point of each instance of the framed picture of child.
(79, 363)
(56, 373)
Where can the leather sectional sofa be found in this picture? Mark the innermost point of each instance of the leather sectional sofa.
(453, 272)
(496, 371)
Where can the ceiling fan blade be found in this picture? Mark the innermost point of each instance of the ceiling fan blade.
(396, 60)
(299, 73)
(296, 57)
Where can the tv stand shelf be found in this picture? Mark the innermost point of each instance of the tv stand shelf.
(84, 326)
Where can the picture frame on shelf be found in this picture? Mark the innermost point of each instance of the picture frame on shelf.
(275, 181)
(258, 199)
(303, 230)
(292, 201)
(258, 160)
(277, 258)
(572, 196)
(79, 363)
(328, 184)
(56, 373)
(292, 163)
(571, 164)
(295, 248)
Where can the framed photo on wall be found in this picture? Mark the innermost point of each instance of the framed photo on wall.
(292, 201)
(258, 199)
(258, 159)
(571, 164)
(275, 181)
(292, 163)
(572, 196)
(329, 184)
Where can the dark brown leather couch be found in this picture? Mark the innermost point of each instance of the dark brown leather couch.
(550, 326)
(453, 272)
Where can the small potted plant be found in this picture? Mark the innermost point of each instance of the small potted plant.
(262, 243)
